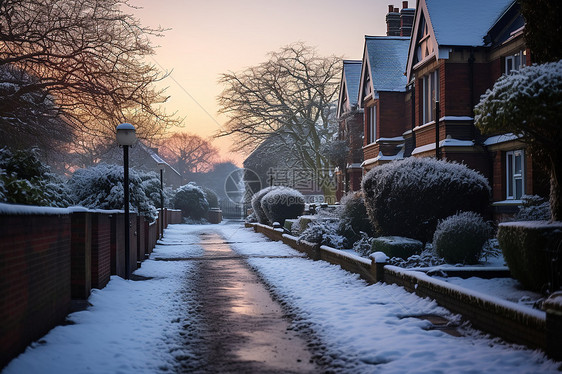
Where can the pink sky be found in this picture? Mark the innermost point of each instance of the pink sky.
(207, 38)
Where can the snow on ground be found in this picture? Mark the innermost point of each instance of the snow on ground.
(135, 326)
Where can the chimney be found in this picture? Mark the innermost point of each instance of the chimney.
(393, 21)
(406, 19)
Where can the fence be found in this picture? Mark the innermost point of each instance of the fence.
(50, 256)
(233, 210)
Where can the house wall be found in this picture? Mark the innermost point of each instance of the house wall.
(393, 115)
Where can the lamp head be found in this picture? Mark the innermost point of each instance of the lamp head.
(126, 134)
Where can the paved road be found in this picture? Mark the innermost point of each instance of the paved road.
(240, 328)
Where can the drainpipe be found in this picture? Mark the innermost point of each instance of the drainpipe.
(437, 116)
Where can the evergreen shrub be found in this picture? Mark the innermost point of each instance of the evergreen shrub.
(408, 197)
(282, 203)
(192, 202)
(532, 251)
(211, 197)
(396, 246)
(256, 204)
(354, 218)
(460, 238)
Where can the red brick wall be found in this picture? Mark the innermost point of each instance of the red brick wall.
(392, 121)
(117, 245)
(81, 276)
(34, 278)
(101, 250)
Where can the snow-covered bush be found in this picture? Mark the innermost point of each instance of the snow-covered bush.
(323, 232)
(408, 197)
(534, 208)
(459, 238)
(282, 203)
(24, 179)
(101, 187)
(364, 246)
(427, 258)
(396, 246)
(256, 204)
(353, 218)
(211, 197)
(191, 200)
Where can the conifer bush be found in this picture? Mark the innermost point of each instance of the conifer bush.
(256, 204)
(192, 202)
(460, 238)
(408, 197)
(282, 203)
(353, 218)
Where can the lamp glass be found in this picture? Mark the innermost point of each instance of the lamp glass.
(126, 134)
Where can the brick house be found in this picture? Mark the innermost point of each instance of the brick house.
(457, 51)
(350, 120)
(384, 98)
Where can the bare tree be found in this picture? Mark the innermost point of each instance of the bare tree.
(188, 153)
(86, 58)
(289, 96)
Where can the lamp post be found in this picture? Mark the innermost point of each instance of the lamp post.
(126, 137)
(161, 167)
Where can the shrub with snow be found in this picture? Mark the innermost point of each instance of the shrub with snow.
(101, 187)
(408, 197)
(256, 204)
(24, 179)
(191, 200)
(323, 232)
(211, 197)
(459, 238)
(364, 246)
(353, 218)
(534, 208)
(282, 203)
(396, 246)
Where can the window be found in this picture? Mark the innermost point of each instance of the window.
(372, 123)
(515, 174)
(430, 95)
(515, 62)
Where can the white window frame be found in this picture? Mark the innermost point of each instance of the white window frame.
(430, 94)
(372, 125)
(515, 62)
(514, 175)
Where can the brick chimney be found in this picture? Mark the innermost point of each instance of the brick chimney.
(406, 19)
(393, 21)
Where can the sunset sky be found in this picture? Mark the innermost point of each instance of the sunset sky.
(207, 38)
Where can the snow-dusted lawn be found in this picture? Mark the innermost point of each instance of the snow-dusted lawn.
(134, 326)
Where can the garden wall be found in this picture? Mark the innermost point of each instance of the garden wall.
(51, 256)
(500, 318)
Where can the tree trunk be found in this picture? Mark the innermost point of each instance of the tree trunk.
(556, 187)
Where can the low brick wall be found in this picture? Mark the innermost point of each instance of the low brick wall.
(34, 276)
(49, 256)
(173, 216)
(500, 318)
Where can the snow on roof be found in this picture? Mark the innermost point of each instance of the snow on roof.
(464, 22)
(502, 138)
(352, 74)
(387, 56)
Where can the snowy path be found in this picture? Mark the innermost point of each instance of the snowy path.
(155, 325)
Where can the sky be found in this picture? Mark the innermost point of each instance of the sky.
(207, 38)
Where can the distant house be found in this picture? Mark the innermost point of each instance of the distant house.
(350, 120)
(459, 49)
(146, 158)
(383, 95)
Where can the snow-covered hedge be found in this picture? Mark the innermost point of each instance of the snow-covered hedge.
(534, 208)
(459, 238)
(354, 219)
(191, 200)
(397, 246)
(101, 187)
(256, 204)
(24, 179)
(282, 203)
(323, 232)
(532, 251)
(408, 197)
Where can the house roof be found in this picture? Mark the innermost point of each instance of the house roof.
(349, 85)
(384, 61)
(464, 23)
(352, 74)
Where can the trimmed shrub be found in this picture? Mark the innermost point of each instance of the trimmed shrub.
(282, 203)
(408, 197)
(211, 197)
(459, 238)
(256, 204)
(191, 199)
(532, 251)
(396, 246)
(354, 218)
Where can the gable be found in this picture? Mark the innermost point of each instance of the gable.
(349, 86)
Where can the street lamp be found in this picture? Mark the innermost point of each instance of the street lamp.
(126, 137)
(161, 167)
